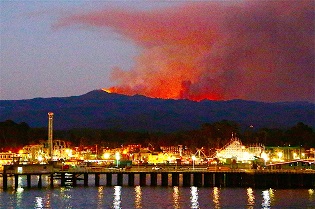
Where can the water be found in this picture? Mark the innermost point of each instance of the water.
(150, 197)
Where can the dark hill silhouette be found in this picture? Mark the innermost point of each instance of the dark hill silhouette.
(98, 109)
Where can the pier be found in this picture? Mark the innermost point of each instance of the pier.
(166, 177)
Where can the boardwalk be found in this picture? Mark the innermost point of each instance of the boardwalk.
(200, 177)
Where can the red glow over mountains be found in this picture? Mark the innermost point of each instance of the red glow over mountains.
(252, 50)
(166, 94)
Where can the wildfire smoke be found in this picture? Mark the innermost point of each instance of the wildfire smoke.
(255, 50)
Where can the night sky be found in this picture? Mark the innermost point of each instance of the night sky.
(220, 50)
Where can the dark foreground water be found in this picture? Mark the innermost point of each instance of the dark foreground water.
(152, 197)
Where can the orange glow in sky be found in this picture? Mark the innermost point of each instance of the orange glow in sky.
(253, 50)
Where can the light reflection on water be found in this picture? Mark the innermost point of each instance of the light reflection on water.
(39, 202)
(138, 197)
(19, 196)
(176, 198)
(251, 198)
(64, 194)
(311, 195)
(194, 197)
(65, 197)
(117, 197)
(47, 202)
(268, 198)
(152, 197)
(216, 197)
(100, 197)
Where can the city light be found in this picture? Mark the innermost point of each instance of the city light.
(106, 155)
(117, 155)
(193, 157)
(68, 152)
(40, 158)
(234, 155)
(280, 154)
(265, 157)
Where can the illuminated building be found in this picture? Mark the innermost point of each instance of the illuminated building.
(288, 153)
(61, 150)
(142, 156)
(40, 152)
(7, 158)
(161, 158)
(179, 150)
(236, 150)
(31, 153)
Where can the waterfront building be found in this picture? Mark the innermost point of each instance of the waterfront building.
(180, 150)
(283, 154)
(162, 158)
(146, 156)
(235, 150)
(38, 153)
(309, 154)
(7, 158)
(142, 156)
(33, 153)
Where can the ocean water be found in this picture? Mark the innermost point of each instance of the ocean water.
(150, 197)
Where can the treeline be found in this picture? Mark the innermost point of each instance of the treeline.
(214, 135)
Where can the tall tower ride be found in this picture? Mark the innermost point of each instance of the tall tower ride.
(50, 134)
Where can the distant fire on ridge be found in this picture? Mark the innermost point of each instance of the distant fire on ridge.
(253, 50)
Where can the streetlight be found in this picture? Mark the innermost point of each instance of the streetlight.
(193, 157)
(117, 155)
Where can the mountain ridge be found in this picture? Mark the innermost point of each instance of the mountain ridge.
(99, 109)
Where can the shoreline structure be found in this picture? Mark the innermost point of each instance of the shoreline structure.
(183, 176)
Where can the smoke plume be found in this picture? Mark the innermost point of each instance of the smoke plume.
(253, 50)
